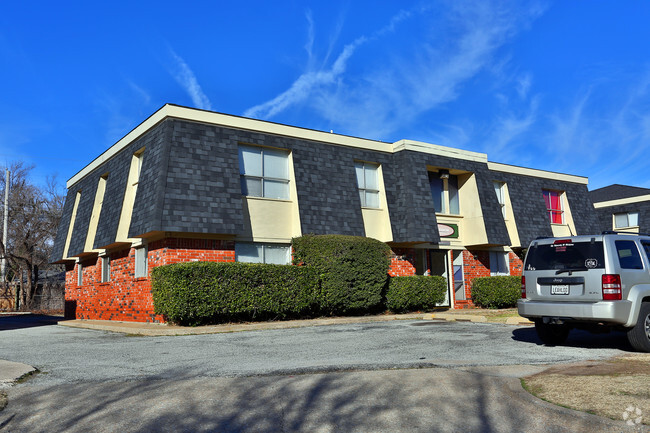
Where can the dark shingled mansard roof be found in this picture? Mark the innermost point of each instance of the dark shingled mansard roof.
(616, 192)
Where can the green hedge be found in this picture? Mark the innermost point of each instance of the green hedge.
(417, 292)
(353, 270)
(496, 292)
(205, 292)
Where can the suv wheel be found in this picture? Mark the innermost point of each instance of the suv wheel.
(551, 335)
(639, 336)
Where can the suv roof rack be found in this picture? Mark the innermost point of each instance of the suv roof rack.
(622, 232)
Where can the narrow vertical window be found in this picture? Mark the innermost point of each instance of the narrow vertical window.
(141, 262)
(264, 172)
(499, 189)
(80, 274)
(553, 200)
(445, 192)
(106, 269)
(368, 183)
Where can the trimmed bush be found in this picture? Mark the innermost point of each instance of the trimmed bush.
(416, 292)
(496, 292)
(206, 292)
(353, 270)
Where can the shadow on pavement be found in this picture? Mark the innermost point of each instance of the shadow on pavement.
(21, 321)
(579, 338)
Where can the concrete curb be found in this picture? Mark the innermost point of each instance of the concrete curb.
(10, 372)
(160, 329)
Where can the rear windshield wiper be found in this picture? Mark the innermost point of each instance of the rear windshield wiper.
(569, 270)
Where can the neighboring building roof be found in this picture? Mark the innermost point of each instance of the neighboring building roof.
(617, 192)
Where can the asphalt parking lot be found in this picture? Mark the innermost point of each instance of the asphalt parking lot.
(410, 375)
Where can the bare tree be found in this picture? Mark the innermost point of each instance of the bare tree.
(34, 214)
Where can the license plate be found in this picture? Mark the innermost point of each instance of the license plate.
(560, 289)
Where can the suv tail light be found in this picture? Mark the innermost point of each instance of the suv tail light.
(523, 287)
(612, 287)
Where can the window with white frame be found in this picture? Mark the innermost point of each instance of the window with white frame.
(368, 183)
(626, 219)
(106, 269)
(444, 190)
(553, 200)
(141, 262)
(80, 274)
(264, 172)
(500, 190)
(255, 252)
(499, 263)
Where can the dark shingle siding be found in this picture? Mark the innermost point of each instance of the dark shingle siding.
(529, 207)
(202, 191)
(190, 183)
(616, 192)
(605, 219)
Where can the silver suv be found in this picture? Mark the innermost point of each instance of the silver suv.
(593, 282)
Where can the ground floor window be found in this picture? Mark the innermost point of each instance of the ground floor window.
(106, 269)
(141, 262)
(255, 252)
(499, 263)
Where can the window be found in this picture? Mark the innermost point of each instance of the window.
(626, 219)
(80, 274)
(249, 252)
(106, 269)
(499, 189)
(499, 263)
(264, 172)
(444, 190)
(141, 262)
(368, 183)
(628, 255)
(553, 201)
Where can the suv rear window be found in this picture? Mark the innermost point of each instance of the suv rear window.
(628, 255)
(565, 255)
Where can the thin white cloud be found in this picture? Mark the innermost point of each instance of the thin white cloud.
(405, 81)
(186, 78)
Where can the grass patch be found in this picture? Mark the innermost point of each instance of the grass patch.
(3, 400)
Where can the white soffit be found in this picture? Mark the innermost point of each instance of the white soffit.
(622, 201)
(435, 149)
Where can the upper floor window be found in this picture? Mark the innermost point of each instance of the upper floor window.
(368, 183)
(626, 219)
(553, 201)
(254, 252)
(444, 189)
(499, 189)
(264, 172)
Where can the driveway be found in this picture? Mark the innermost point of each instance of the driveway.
(387, 376)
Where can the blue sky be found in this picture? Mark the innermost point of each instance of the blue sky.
(561, 86)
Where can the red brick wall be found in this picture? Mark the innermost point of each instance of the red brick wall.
(402, 267)
(477, 264)
(126, 298)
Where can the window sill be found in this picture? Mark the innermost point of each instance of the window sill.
(626, 228)
(449, 215)
(371, 208)
(281, 200)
